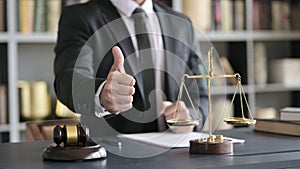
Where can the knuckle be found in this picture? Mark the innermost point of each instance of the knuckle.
(131, 90)
(130, 99)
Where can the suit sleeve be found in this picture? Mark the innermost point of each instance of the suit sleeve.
(74, 84)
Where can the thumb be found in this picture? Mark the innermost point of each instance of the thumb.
(118, 60)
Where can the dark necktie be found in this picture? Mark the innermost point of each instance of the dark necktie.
(145, 56)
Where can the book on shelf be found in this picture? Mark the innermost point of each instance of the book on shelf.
(62, 111)
(228, 15)
(2, 15)
(294, 15)
(216, 15)
(35, 101)
(26, 15)
(278, 126)
(220, 15)
(53, 14)
(199, 12)
(276, 15)
(238, 15)
(290, 114)
(53, 11)
(40, 14)
(284, 71)
(3, 104)
(260, 63)
(261, 14)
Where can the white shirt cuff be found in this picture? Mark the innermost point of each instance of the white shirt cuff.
(100, 110)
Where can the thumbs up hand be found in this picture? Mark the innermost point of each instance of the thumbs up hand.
(116, 95)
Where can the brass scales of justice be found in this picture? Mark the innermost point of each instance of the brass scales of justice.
(213, 144)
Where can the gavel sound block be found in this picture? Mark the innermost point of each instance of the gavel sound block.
(72, 142)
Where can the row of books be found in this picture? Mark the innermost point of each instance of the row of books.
(284, 71)
(287, 123)
(2, 15)
(34, 100)
(220, 15)
(41, 15)
(276, 15)
(228, 15)
(268, 70)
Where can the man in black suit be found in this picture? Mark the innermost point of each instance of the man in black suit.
(96, 67)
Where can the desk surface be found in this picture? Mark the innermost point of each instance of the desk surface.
(261, 150)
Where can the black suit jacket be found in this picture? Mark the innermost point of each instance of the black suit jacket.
(87, 32)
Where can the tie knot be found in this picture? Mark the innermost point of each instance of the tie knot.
(139, 11)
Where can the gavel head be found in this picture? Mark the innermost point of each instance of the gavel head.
(71, 135)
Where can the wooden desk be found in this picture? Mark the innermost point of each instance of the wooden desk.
(261, 150)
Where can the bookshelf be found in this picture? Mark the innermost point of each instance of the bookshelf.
(239, 47)
(34, 51)
(25, 53)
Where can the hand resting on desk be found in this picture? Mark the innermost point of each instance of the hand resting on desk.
(168, 109)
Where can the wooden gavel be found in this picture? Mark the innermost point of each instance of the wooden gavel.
(71, 135)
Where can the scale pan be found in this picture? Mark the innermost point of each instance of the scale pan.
(239, 121)
(183, 122)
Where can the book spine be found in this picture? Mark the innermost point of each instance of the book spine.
(26, 13)
(2, 16)
(260, 63)
(199, 13)
(40, 16)
(256, 15)
(226, 15)
(285, 16)
(3, 104)
(217, 15)
(53, 14)
(40, 100)
(294, 15)
(239, 15)
(276, 15)
(24, 95)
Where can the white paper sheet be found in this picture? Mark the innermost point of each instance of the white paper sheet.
(170, 140)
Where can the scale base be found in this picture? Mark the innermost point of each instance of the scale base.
(200, 146)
